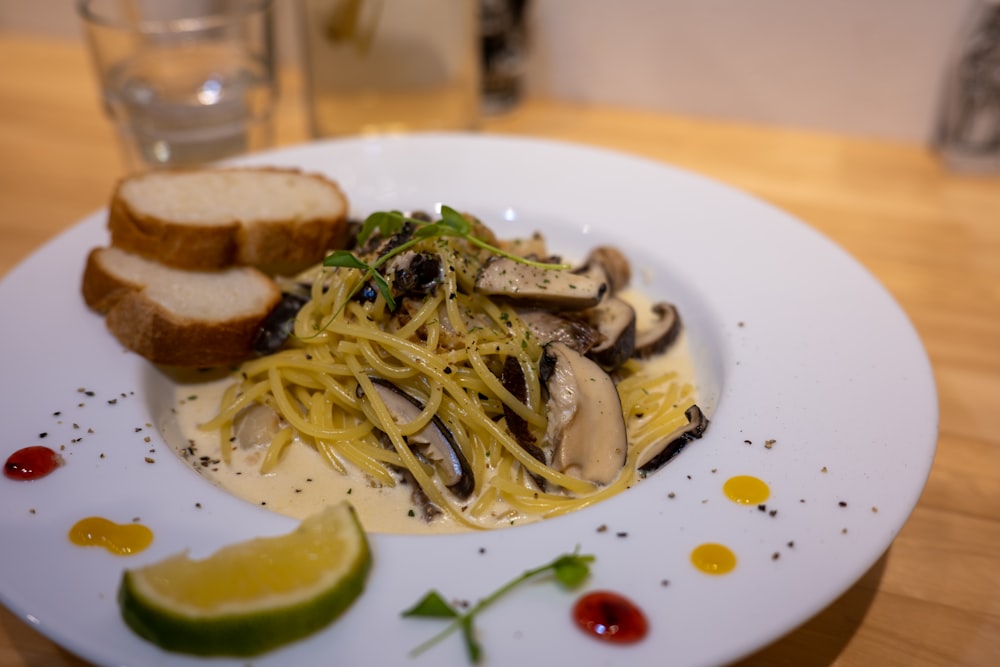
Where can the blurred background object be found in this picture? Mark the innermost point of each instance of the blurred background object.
(503, 39)
(969, 132)
(380, 66)
(862, 68)
(184, 82)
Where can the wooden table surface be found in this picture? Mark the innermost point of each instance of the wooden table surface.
(930, 236)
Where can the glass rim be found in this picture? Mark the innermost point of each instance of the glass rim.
(92, 15)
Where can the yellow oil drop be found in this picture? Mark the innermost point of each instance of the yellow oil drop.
(713, 558)
(119, 539)
(746, 490)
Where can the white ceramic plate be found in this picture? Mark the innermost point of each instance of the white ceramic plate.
(795, 343)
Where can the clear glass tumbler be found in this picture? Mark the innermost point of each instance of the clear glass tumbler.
(185, 82)
(383, 66)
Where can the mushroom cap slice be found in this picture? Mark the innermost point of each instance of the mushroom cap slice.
(415, 273)
(529, 285)
(277, 327)
(586, 425)
(661, 334)
(532, 246)
(549, 327)
(614, 319)
(609, 264)
(255, 426)
(658, 454)
(605, 333)
(513, 379)
(437, 444)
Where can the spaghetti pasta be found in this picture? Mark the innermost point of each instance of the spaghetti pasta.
(411, 384)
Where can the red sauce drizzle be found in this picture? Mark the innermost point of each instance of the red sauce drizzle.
(610, 617)
(32, 462)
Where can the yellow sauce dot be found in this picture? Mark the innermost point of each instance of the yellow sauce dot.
(746, 490)
(713, 558)
(119, 539)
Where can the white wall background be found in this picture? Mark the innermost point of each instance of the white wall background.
(870, 67)
(863, 67)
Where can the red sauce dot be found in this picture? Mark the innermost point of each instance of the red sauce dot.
(31, 463)
(610, 617)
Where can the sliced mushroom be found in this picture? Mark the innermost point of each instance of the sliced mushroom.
(351, 236)
(586, 426)
(609, 264)
(657, 455)
(533, 246)
(513, 380)
(383, 246)
(279, 324)
(661, 335)
(415, 273)
(428, 509)
(531, 285)
(605, 333)
(255, 426)
(614, 319)
(549, 327)
(436, 443)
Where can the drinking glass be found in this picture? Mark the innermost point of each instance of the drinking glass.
(383, 66)
(185, 82)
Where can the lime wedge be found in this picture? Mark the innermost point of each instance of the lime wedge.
(253, 596)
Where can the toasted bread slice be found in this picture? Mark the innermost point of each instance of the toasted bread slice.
(178, 317)
(278, 220)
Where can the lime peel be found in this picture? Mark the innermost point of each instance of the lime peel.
(253, 596)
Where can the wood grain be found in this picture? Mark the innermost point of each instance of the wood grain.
(930, 236)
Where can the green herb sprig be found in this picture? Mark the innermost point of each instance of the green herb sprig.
(570, 570)
(387, 223)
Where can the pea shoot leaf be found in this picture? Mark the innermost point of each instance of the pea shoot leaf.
(386, 222)
(472, 645)
(432, 605)
(569, 570)
(455, 221)
(347, 260)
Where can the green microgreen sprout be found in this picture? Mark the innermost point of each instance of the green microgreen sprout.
(387, 223)
(570, 570)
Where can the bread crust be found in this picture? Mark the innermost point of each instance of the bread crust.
(277, 246)
(179, 245)
(161, 334)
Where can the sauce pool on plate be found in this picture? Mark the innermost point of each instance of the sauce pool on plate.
(746, 490)
(30, 463)
(120, 539)
(712, 558)
(610, 617)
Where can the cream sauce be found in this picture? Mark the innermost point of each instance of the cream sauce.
(304, 482)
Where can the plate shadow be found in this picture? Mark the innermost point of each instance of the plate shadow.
(820, 640)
